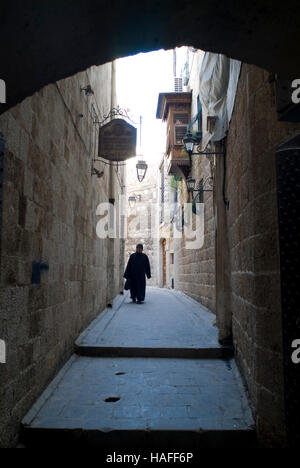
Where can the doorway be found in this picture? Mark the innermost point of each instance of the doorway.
(164, 264)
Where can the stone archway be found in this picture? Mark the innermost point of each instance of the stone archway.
(43, 44)
(47, 41)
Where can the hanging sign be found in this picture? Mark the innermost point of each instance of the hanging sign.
(117, 140)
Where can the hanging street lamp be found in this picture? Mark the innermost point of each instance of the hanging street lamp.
(132, 200)
(141, 169)
(141, 166)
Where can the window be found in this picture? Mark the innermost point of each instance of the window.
(180, 132)
(180, 127)
(180, 119)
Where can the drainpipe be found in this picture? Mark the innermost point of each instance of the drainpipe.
(112, 105)
(222, 257)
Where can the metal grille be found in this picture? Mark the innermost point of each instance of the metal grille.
(181, 119)
(180, 132)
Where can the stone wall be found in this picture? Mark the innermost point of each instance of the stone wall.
(246, 261)
(252, 229)
(49, 214)
(196, 267)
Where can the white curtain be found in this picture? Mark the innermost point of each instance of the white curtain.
(218, 82)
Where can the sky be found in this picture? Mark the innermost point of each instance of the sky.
(140, 79)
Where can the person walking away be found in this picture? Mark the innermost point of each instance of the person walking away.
(137, 267)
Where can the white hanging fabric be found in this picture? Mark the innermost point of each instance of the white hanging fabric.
(218, 83)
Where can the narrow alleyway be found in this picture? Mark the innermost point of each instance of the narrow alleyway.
(150, 375)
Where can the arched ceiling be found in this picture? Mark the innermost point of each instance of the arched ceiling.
(44, 41)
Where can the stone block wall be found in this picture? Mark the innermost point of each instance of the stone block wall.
(252, 294)
(49, 214)
(252, 226)
(196, 267)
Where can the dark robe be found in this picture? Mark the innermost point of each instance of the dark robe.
(137, 267)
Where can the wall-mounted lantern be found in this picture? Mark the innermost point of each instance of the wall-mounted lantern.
(133, 198)
(191, 183)
(190, 141)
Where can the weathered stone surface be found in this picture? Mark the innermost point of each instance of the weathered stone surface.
(253, 245)
(186, 402)
(196, 267)
(49, 213)
(152, 395)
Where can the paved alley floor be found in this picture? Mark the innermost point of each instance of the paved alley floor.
(168, 322)
(138, 401)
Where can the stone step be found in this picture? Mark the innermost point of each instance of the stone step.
(94, 350)
(142, 403)
(168, 324)
(136, 441)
